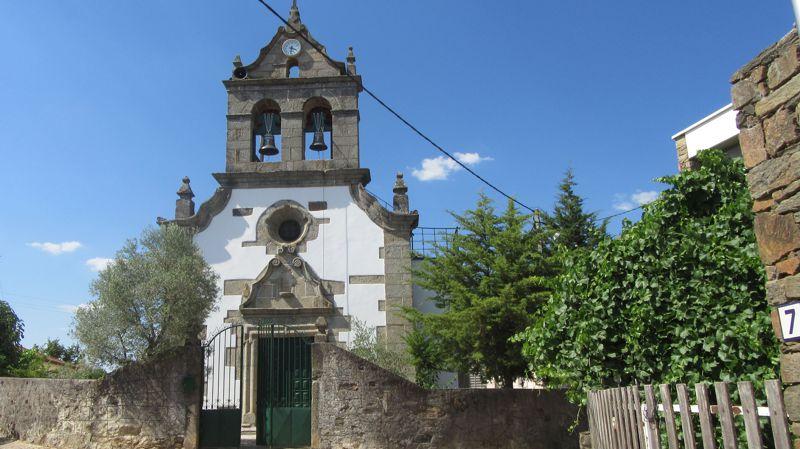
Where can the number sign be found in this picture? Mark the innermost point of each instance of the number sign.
(790, 321)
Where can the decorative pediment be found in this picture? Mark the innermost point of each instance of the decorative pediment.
(287, 283)
(273, 63)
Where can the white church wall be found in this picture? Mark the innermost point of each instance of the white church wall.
(348, 245)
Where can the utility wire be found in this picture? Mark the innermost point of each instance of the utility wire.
(395, 113)
(621, 213)
(416, 130)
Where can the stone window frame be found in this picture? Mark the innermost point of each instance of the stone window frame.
(265, 238)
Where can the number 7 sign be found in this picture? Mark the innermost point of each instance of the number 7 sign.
(789, 315)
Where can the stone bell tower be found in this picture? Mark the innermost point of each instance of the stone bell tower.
(292, 109)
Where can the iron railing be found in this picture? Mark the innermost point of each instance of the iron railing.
(426, 241)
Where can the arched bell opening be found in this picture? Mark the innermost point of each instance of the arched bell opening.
(266, 131)
(292, 68)
(317, 129)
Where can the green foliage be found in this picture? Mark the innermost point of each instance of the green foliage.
(677, 297)
(366, 344)
(424, 355)
(54, 348)
(490, 282)
(153, 297)
(30, 364)
(572, 227)
(33, 363)
(11, 333)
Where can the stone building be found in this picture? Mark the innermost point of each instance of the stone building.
(291, 231)
(717, 130)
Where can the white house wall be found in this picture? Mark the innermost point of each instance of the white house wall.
(347, 246)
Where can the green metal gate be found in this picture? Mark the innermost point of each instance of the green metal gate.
(284, 388)
(221, 413)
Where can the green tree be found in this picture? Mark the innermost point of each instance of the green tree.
(677, 297)
(571, 226)
(31, 365)
(54, 348)
(153, 297)
(366, 344)
(490, 281)
(11, 333)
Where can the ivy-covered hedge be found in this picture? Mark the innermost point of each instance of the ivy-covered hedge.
(677, 297)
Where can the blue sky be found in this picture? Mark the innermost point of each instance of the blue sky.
(104, 106)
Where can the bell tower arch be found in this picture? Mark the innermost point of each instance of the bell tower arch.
(292, 109)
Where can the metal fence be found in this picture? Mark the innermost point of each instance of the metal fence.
(425, 242)
(635, 418)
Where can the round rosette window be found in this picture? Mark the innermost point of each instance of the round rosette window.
(288, 224)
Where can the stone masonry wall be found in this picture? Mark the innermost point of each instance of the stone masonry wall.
(358, 405)
(766, 92)
(148, 406)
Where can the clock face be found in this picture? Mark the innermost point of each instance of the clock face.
(291, 47)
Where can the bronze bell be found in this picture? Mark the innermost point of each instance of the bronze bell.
(319, 142)
(268, 147)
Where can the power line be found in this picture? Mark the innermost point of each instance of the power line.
(395, 113)
(621, 213)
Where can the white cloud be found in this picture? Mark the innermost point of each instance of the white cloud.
(439, 168)
(644, 197)
(56, 248)
(69, 308)
(98, 263)
(624, 202)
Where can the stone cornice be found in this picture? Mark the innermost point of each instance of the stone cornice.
(208, 210)
(309, 178)
(322, 81)
(403, 223)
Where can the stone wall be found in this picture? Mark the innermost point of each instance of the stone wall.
(766, 92)
(359, 405)
(148, 406)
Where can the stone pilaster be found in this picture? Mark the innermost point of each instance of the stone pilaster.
(766, 92)
(292, 136)
(399, 294)
(345, 136)
(239, 141)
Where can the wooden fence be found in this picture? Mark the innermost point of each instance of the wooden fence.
(637, 418)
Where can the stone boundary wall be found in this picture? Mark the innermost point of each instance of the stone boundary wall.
(356, 404)
(766, 92)
(146, 406)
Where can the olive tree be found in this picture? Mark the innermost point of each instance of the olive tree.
(153, 297)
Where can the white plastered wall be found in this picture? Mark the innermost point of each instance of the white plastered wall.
(347, 246)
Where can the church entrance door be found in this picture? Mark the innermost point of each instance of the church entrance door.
(284, 388)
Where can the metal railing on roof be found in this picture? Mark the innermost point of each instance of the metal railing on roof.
(426, 241)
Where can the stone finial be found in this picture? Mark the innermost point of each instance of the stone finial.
(351, 61)
(400, 199)
(237, 61)
(294, 13)
(184, 206)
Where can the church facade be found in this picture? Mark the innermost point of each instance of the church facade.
(291, 231)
